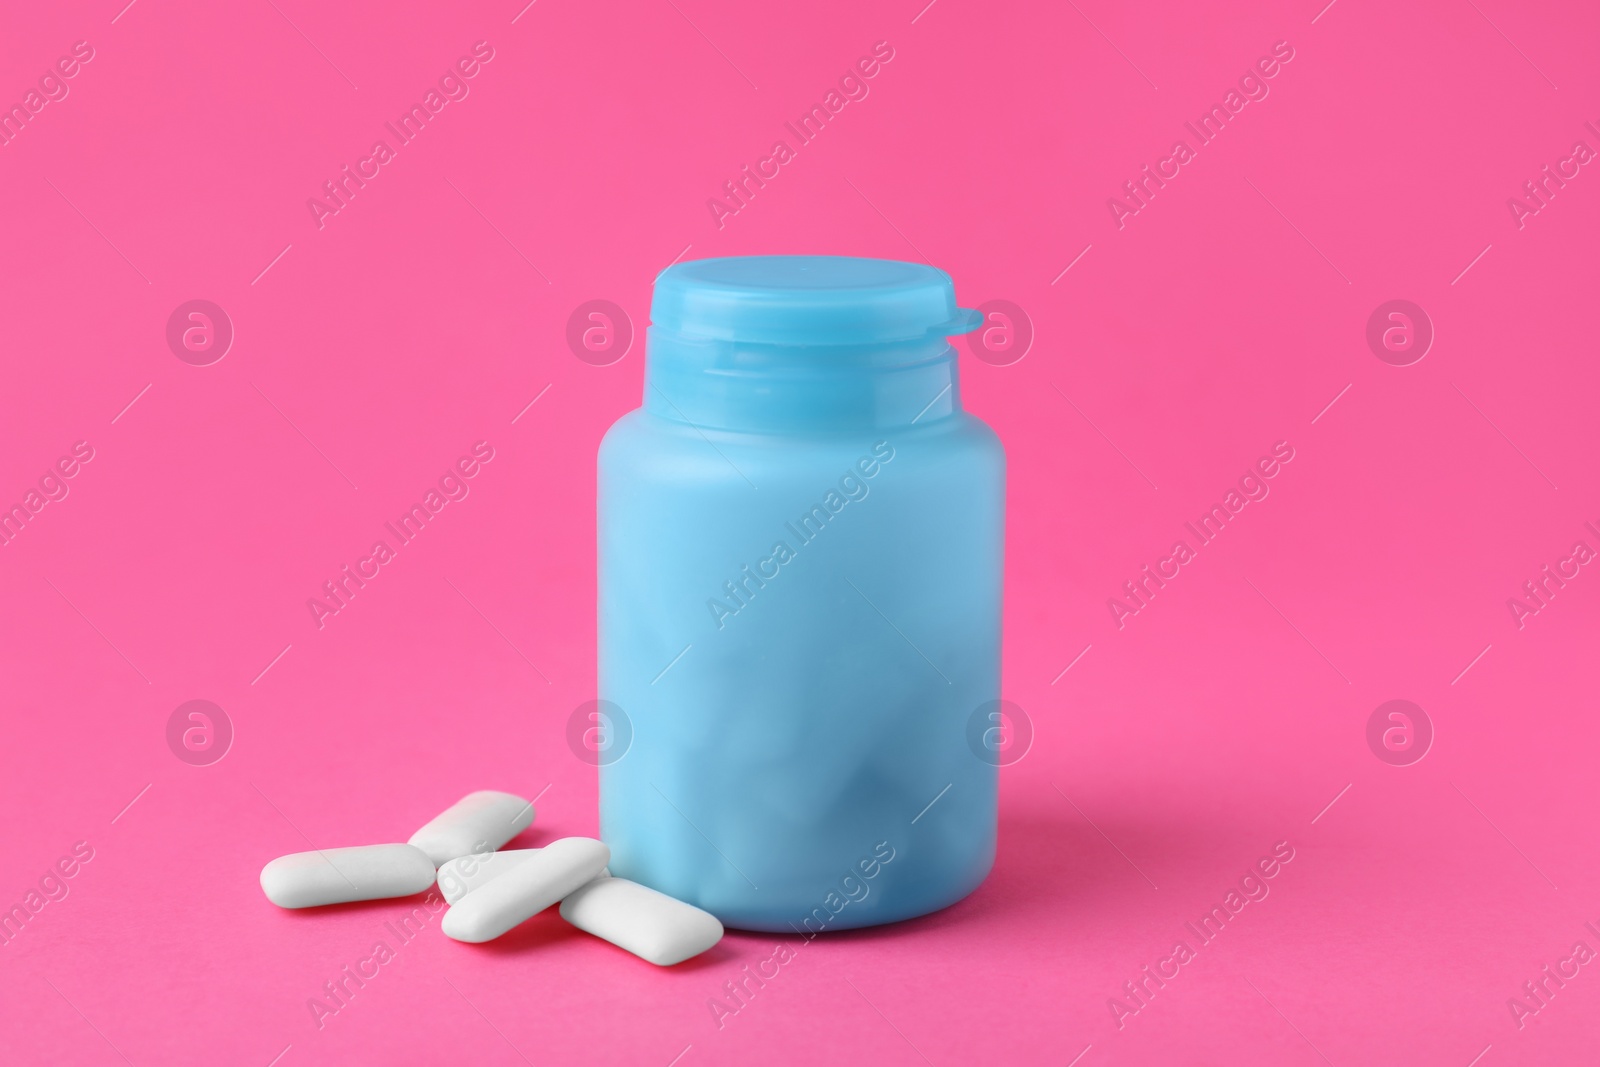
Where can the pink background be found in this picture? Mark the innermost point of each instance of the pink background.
(427, 314)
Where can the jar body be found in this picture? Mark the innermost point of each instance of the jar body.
(799, 628)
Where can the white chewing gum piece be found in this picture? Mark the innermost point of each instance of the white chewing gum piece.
(462, 875)
(649, 924)
(478, 822)
(528, 888)
(341, 875)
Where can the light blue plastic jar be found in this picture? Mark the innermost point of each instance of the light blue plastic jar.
(800, 556)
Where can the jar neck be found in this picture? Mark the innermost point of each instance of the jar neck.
(735, 385)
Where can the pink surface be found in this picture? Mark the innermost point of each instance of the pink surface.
(1172, 347)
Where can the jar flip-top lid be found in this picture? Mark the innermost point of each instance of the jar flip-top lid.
(807, 300)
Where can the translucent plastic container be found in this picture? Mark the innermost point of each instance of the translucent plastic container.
(800, 556)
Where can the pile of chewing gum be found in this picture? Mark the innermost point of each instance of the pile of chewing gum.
(489, 891)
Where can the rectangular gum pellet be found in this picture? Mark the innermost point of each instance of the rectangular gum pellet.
(649, 924)
(341, 875)
(462, 875)
(526, 889)
(478, 822)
